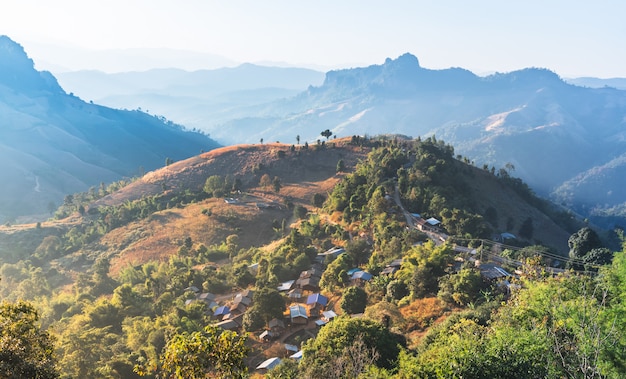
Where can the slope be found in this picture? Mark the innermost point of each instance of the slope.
(53, 144)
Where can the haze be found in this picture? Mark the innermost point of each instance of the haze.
(572, 38)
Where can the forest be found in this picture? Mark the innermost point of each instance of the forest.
(426, 303)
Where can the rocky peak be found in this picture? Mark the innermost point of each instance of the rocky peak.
(17, 70)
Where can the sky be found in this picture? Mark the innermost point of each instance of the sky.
(573, 38)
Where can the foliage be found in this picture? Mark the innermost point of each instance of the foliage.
(580, 244)
(354, 300)
(189, 356)
(461, 288)
(26, 351)
(340, 334)
(336, 273)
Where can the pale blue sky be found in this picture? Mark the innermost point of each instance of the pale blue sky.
(573, 38)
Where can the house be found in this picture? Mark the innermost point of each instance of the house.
(297, 356)
(221, 311)
(268, 364)
(309, 284)
(297, 314)
(328, 315)
(265, 336)
(333, 252)
(193, 289)
(295, 294)
(433, 222)
(360, 277)
(312, 272)
(277, 327)
(353, 270)
(317, 303)
(243, 300)
(285, 286)
(227, 325)
(389, 270)
(491, 271)
(206, 297)
(246, 293)
(291, 348)
(504, 236)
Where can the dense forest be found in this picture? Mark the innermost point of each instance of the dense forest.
(399, 259)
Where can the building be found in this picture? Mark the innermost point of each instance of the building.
(297, 314)
(268, 364)
(317, 303)
(361, 277)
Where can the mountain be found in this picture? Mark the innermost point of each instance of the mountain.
(550, 131)
(199, 99)
(52, 143)
(619, 83)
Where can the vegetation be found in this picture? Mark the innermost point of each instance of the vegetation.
(427, 311)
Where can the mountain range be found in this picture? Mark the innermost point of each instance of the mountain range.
(53, 143)
(567, 142)
(564, 138)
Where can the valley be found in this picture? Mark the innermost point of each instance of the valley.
(388, 221)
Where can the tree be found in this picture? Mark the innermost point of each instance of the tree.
(25, 350)
(265, 181)
(269, 303)
(354, 300)
(581, 243)
(276, 184)
(299, 212)
(335, 337)
(298, 139)
(326, 133)
(526, 230)
(341, 166)
(318, 200)
(191, 356)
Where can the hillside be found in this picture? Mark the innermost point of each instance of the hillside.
(178, 188)
(53, 144)
(123, 264)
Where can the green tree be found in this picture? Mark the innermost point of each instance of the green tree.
(26, 351)
(318, 200)
(341, 166)
(326, 133)
(299, 212)
(581, 243)
(354, 300)
(276, 185)
(211, 351)
(298, 139)
(270, 303)
(335, 337)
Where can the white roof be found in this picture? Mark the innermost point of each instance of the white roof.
(268, 363)
(433, 221)
(297, 355)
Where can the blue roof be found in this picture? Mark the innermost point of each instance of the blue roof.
(353, 270)
(223, 310)
(317, 298)
(363, 275)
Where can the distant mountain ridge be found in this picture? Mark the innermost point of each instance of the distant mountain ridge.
(562, 139)
(549, 130)
(53, 144)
